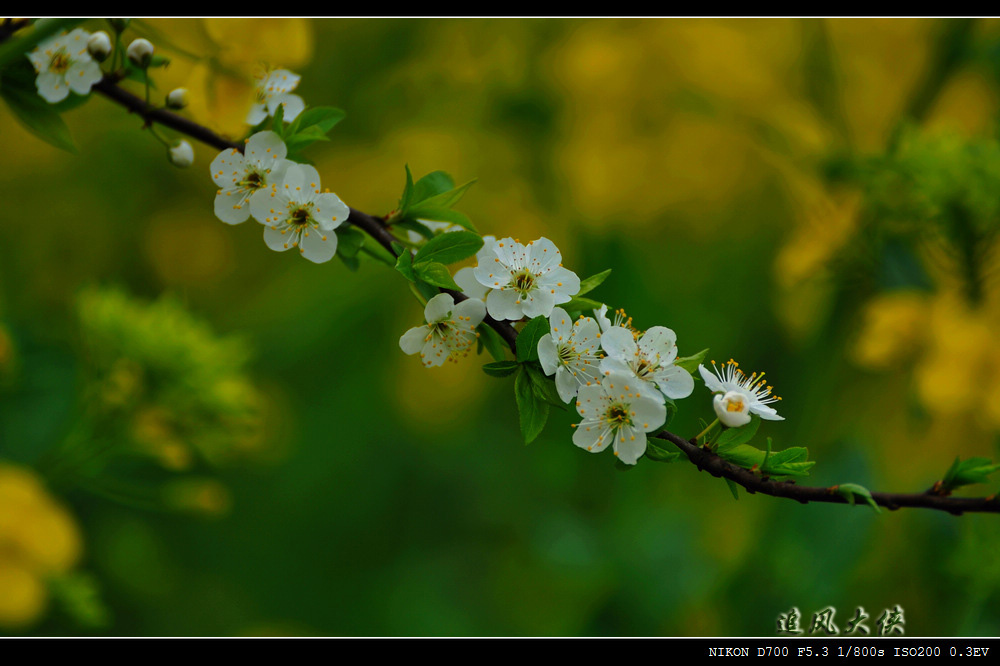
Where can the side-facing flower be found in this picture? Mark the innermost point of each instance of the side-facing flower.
(525, 281)
(466, 277)
(99, 46)
(63, 64)
(296, 213)
(140, 52)
(572, 351)
(450, 330)
(274, 89)
(241, 177)
(738, 394)
(650, 358)
(620, 411)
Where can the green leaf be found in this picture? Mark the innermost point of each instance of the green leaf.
(443, 200)
(743, 455)
(436, 274)
(545, 388)
(501, 368)
(278, 121)
(527, 339)
(491, 341)
(790, 462)
(351, 261)
(580, 305)
(324, 118)
(731, 437)
(300, 140)
(413, 225)
(434, 183)
(426, 290)
(533, 411)
(966, 472)
(404, 264)
(733, 488)
(622, 467)
(691, 363)
(349, 241)
(660, 451)
(404, 201)
(35, 114)
(850, 490)
(449, 248)
(589, 284)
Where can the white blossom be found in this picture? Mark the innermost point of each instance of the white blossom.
(296, 213)
(273, 90)
(177, 98)
(241, 177)
(524, 281)
(571, 351)
(450, 331)
(99, 46)
(738, 394)
(649, 358)
(619, 411)
(64, 64)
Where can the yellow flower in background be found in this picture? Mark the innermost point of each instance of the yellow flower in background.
(38, 540)
(894, 327)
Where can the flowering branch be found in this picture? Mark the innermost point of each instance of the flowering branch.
(623, 384)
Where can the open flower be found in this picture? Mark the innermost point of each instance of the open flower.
(650, 358)
(738, 394)
(273, 90)
(525, 281)
(63, 64)
(242, 177)
(621, 320)
(571, 350)
(620, 411)
(450, 330)
(295, 213)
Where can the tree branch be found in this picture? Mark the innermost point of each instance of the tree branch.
(702, 458)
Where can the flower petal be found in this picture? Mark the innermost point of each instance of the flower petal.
(439, 308)
(412, 341)
(318, 245)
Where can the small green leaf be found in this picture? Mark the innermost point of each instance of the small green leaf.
(733, 488)
(434, 183)
(404, 201)
(445, 199)
(278, 121)
(533, 411)
(966, 472)
(660, 451)
(850, 490)
(436, 274)
(437, 214)
(731, 437)
(491, 341)
(580, 305)
(527, 339)
(589, 284)
(349, 241)
(404, 264)
(501, 368)
(449, 248)
(413, 225)
(351, 262)
(743, 455)
(324, 118)
(691, 363)
(426, 290)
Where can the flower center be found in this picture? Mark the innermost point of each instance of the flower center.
(523, 281)
(644, 368)
(734, 403)
(566, 354)
(252, 181)
(60, 63)
(300, 217)
(618, 415)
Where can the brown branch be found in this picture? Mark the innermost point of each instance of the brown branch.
(702, 458)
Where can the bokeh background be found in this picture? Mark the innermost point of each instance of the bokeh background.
(199, 436)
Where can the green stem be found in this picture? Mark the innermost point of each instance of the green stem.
(706, 430)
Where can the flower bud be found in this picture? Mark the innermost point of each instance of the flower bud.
(177, 98)
(140, 52)
(99, 46)
(119, 24)
(181, 154)
(733, 409)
